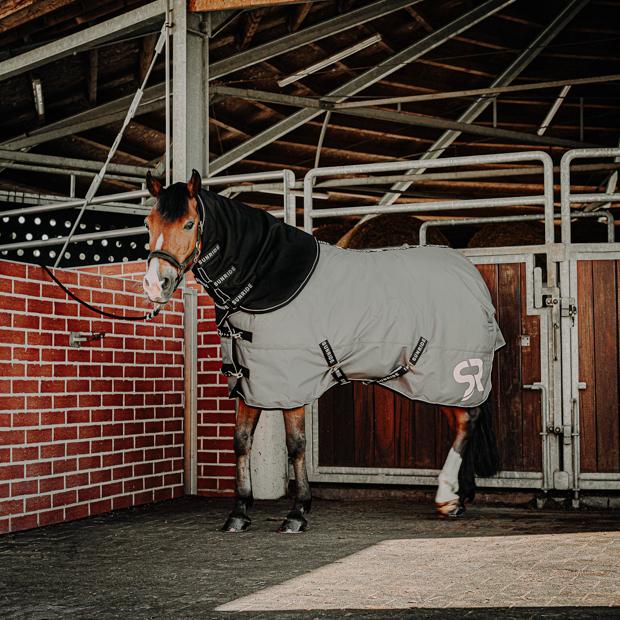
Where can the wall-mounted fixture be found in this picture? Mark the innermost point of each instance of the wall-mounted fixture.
(77, 338)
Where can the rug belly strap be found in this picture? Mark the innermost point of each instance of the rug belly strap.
(402, 370)
(332, 362)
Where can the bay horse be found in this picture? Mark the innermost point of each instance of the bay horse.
(296, 318)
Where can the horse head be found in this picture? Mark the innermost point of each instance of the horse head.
(174, 227)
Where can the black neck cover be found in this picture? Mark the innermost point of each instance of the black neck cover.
(250, 260)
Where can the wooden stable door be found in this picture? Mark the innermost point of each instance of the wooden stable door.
(598, 294)
(370, 426)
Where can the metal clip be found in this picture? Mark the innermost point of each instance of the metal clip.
(76, 338)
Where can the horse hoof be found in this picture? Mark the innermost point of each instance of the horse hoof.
(291, 526)
(459, 510)
(236, 524)
(449, 509)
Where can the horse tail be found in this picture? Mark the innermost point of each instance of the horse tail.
(484, 453)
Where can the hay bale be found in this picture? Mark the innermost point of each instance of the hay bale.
(588, 231)
(331, 233)
(390, 230)
(507, 234)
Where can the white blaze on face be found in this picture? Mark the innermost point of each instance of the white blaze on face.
(152, 283)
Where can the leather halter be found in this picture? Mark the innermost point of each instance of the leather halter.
(183, 268)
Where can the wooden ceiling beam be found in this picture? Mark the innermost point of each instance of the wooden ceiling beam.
(249, 27)
(146, 55)
(298, 14)
(419, 18)
(104, 147)
(91, 77)
(14, 13)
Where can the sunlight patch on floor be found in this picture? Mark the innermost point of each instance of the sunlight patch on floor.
(510, 571)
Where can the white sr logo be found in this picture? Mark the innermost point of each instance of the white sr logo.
(473, 380)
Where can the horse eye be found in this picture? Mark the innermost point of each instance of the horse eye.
(189, 225)
(146, 224)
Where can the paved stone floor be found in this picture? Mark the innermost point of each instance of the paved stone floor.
(365, 560)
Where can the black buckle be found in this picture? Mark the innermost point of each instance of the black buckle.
(229, 370)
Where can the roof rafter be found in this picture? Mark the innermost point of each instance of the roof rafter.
(371, 76)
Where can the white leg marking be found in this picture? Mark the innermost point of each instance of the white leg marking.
(449, 478)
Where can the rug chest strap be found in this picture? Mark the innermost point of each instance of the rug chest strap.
(235, 369)
(332, 362)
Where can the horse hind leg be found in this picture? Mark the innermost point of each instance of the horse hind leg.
(247, 419)
(294, 422)
(456, 481)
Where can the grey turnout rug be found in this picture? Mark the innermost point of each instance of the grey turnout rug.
(418, 320)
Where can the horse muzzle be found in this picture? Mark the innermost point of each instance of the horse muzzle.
(160, 282)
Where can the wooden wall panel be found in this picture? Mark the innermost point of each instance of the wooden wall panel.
(587, 369)
(384, 428)
(510, 428)
(326, 428)
(404, 446)
(344, 426)
(363, 414)
(425, 435)
(606, 361)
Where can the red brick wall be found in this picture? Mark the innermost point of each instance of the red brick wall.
(84, 431)
(216, 412)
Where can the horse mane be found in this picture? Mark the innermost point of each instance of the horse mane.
(173, 202)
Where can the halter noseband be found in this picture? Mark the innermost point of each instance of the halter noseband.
(182, 268)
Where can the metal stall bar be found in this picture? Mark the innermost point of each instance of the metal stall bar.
(571, 346)
(546, 199)
(190, 451)
(609, 218)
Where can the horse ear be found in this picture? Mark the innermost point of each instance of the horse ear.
(153, 185)
(194, 184)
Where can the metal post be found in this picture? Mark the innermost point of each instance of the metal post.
(187, 77)
(190, 443)
(167, 78)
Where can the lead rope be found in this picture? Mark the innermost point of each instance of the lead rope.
(146, 317)
(94, 186)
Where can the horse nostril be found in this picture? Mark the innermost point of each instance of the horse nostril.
(147, 282)
(167, 283)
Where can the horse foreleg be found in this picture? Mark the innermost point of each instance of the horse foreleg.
(456, 482)
(294, 422)
(247, 419)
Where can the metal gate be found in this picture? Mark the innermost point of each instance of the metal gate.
(557, 306)
(590, 287)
